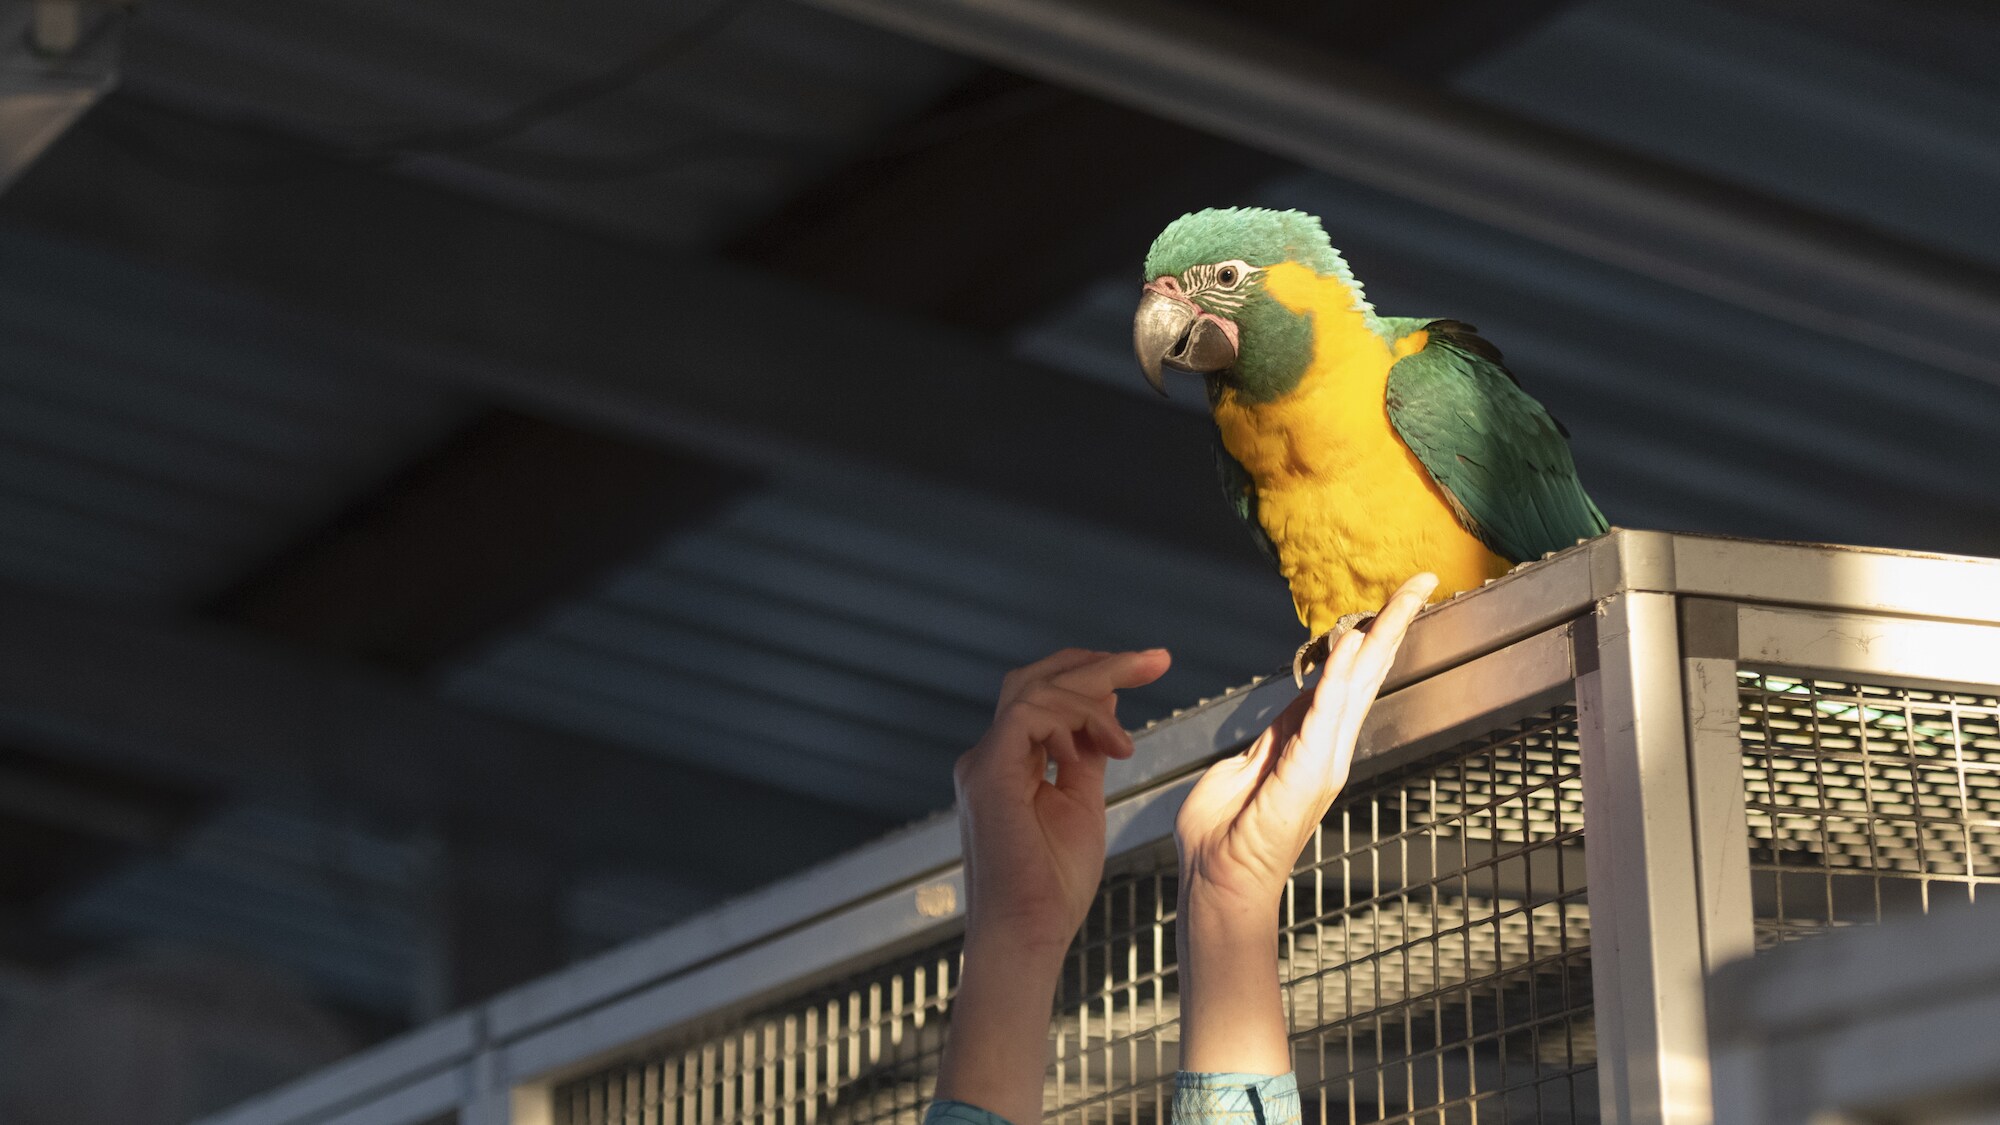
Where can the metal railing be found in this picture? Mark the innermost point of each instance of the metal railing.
(1588, 785)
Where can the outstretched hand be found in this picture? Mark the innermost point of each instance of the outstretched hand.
(1034, 852)
(1244, 825)
(1240, 832)
(1034, 849)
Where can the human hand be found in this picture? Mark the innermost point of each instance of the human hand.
(1240, 832)
(1242, 828)
(1034, 850)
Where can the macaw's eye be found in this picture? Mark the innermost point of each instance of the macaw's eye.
(1226, 275)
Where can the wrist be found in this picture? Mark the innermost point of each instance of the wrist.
(1023, 960)
(1019, 941)
(1000, 1017)
(1232, 1014)
(1224, 916)
(1229, 949)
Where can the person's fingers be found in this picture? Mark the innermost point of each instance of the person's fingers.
(1307, 760)
(1118, 671)
(1330, 697)
(1263, 750)
(1335, 722)
(1082, 777)
(1099, 733)
(1109, 738)
(1020, 737)
(1087, 726)
(1097, 716)
(1324, 750)
(1339, 664)
(1049, 731)
(1385, 637)
(1056, 662)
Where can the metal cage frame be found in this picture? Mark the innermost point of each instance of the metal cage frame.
(1644, 632)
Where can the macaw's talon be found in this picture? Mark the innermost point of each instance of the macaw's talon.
(1314, 652)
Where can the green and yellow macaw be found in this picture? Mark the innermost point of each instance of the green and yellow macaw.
(1359, 448)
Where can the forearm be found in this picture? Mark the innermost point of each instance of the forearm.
(1232, 1013)
(997, 1052)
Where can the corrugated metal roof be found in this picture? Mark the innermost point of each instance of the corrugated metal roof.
(158, 453)
(333, 900)
(764, 97)
(1772, 105)
(820, 643)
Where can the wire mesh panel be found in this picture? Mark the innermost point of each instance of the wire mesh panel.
(1435, 959)
(1865, 800)
(859, 1052)
(1117, 1028)
(1437, 946)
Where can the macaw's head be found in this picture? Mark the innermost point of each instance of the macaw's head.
(1207, 305)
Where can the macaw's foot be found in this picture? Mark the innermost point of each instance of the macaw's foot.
(1314, 652)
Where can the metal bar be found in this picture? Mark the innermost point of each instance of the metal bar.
(438, 1047)
(1715, 768)
(1531, 598)
(1342, 117)
(1529, 675)
(1892, 651)
(1641, 863)
(1849, 579)
(491, 1098)
(882, 925)
(414, 1104)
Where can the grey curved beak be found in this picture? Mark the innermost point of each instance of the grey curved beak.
(1170, 333)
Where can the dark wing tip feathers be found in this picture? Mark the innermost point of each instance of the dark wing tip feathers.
(1466, 338)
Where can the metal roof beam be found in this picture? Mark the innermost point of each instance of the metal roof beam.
(506, 519)
(715, 357)
(1344, 117)
(55, 63)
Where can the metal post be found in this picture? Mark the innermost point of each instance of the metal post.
(485, 1100)
(1639, 842)
(1715, 765)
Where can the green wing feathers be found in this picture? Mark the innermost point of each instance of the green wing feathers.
(1501, 459)
(1241, 492)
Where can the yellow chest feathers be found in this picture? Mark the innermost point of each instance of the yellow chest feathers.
(1350, 509)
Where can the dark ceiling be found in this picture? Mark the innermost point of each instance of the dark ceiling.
(506, 467)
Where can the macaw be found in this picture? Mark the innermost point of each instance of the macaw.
(1359, 448)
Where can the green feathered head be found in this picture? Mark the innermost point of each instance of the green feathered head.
(1205, 308)
(1257, 235)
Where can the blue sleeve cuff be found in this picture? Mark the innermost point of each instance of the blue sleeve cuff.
(948, 1112)
(1235, 1099)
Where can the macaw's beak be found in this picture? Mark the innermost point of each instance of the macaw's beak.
(1170, 331)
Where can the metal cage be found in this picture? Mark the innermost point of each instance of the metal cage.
(1587, 785)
